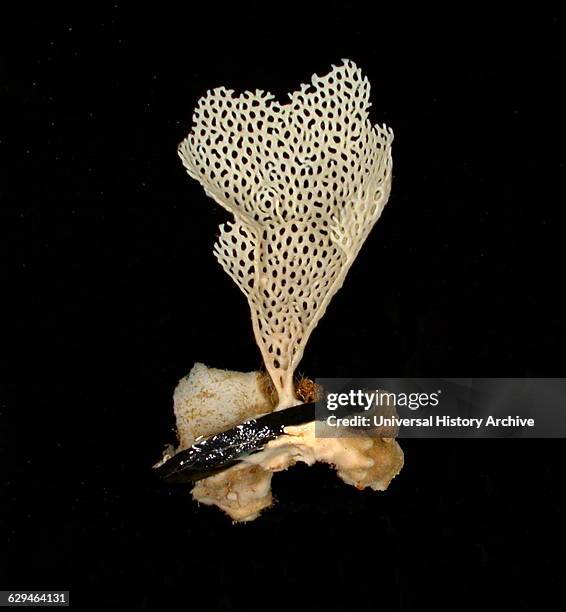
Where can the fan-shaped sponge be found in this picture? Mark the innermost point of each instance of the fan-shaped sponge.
(305, 182)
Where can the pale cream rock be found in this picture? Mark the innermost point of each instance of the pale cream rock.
(209, 400)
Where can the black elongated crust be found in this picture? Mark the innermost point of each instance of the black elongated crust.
(223, 450)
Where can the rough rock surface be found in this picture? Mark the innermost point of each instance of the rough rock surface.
(209, 400)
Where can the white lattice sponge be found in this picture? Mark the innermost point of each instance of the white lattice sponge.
(305, 182)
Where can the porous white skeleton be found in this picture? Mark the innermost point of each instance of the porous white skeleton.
(305, 182)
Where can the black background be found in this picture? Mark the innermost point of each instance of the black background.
(116, 294)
